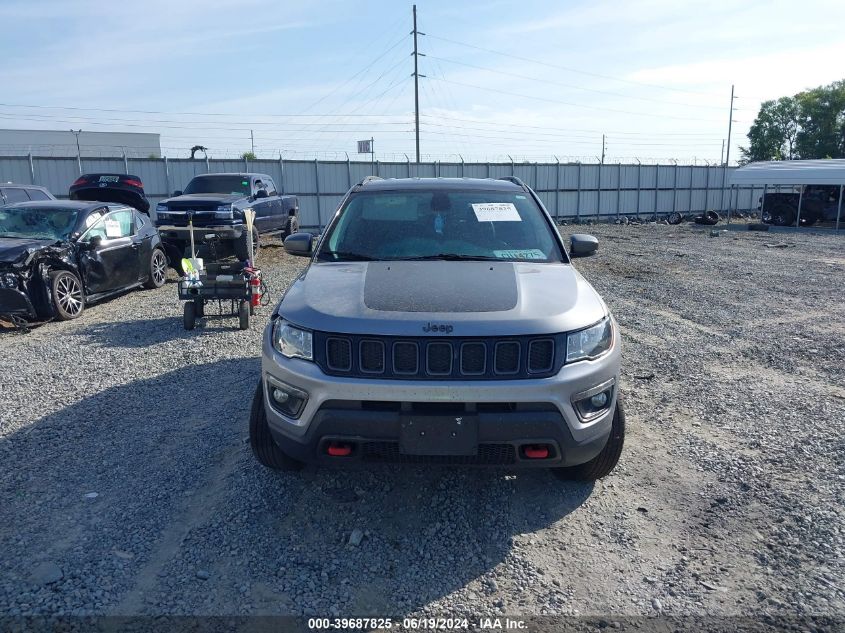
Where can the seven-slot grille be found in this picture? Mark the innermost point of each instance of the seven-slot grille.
(439, 358)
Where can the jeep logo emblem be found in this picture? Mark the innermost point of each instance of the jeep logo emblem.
(437, 327)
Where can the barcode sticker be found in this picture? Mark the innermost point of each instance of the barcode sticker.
(496, 212)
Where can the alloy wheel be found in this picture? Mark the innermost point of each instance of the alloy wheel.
(159, 267)
(69, 295)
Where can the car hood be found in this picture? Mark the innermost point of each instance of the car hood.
(14, 249)
(474, 298)
(206, 198)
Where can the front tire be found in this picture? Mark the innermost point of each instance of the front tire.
(264, 447)
(242, 248)
(291, 226)
(158, 270)
(602, 464)
(243, 315)
(68, 297)
(189, 315)
(782, 215)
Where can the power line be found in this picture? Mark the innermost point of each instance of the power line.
(548, 132)
(363, 70)
(544, 127)
(126, 111)
(575, 105)
(190, 125)
(569, 69)
(564, 85)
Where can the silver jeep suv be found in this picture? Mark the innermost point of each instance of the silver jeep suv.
(441, 321)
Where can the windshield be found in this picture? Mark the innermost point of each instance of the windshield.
(219, 184)
(396, 225)
(40, 223)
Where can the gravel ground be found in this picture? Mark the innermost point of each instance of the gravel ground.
(128, 486)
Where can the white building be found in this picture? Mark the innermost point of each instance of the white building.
(91, 144)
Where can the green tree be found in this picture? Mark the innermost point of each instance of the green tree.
(248, 156)
(809, 125)
(822, 122)
(774, 132)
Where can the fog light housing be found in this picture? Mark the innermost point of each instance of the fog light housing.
(286, 399)
(594, 402)
(600, 399)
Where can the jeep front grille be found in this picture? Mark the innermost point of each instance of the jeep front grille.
(439, 358)
(541, 355)
(339, 353)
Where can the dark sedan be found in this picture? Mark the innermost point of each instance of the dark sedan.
(57, 257)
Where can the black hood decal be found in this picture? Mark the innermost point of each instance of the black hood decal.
(440, 286)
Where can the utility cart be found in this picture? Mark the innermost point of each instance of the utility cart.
(235, 288)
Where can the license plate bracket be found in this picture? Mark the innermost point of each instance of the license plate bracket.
(438, 435)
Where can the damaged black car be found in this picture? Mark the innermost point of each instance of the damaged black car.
(57, 257)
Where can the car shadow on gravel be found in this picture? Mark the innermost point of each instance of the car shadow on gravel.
(144, 497)
(93, 490)
(144, 333)
(457, 535)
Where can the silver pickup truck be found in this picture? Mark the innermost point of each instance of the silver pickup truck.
(441, 321)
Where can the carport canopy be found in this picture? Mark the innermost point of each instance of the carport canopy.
(790, 172)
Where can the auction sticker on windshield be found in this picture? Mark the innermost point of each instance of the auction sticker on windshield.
(528, 253)
(496, 212)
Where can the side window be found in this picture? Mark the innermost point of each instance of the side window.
(111, 226)
(120, 224)
(15, 195)
(259, 184)
(140, 220)
(271, 187)
(37, 194)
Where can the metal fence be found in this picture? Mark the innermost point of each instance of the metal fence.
(568, 190)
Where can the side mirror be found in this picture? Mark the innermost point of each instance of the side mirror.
(176, 193)
(261, 193)
(95, 242)
(582, 245)
(298, 244)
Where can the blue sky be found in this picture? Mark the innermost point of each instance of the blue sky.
(310, 78)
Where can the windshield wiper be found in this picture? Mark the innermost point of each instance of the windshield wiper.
(452, 257)
(347, 256)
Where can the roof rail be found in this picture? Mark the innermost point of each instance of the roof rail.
(515, 181)
(367, 179)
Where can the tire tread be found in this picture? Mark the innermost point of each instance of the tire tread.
(261, 440)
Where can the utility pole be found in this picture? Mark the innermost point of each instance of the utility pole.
(416, 86)
(722, 153)
(252, 142)
(603, 148)
(728, 152)
(730, 124)
(76, 133)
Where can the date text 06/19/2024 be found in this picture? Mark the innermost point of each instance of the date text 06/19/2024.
(417, 624)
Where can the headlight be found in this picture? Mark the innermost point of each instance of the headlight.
(161, 207)
(292, 341)
(224, 212)
(9, 280)
(589, 343)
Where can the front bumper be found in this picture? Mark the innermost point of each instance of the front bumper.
(16, 302)
(183, 233)
(510, 415)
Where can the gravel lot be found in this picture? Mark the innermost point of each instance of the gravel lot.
(128, 485)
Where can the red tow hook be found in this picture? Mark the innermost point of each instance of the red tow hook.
(339, 449)
(536, 451)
